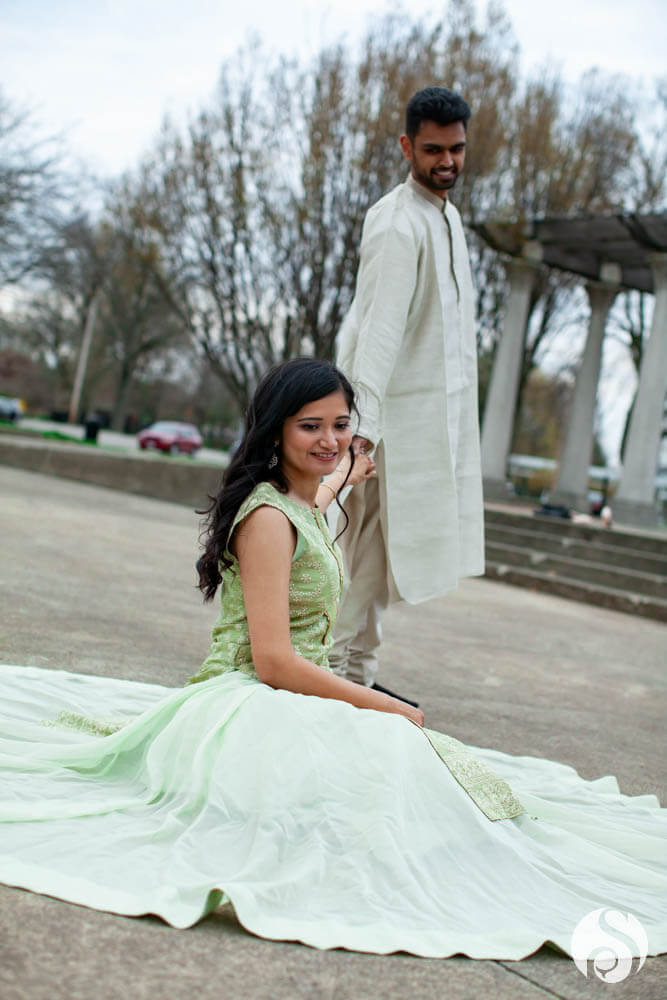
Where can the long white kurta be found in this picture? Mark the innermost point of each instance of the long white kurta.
(408, 345)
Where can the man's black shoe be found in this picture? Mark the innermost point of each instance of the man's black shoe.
(383, 690)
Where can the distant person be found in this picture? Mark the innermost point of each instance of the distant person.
(321, 810)
(408, 345)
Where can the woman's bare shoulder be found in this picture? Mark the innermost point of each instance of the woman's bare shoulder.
(267, 528)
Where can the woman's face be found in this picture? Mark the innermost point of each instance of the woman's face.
(316, 438)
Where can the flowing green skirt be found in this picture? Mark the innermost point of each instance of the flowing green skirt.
(320, 822)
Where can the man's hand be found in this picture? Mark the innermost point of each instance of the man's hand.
(361, 444)
(363, 469)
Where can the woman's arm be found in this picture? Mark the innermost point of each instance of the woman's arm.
(264, 545)
(363, 468)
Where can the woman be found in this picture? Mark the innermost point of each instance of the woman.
(253, 534)
(321, 809)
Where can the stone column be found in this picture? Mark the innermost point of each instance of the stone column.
(571, 488)
(634, 502)
(501, 397)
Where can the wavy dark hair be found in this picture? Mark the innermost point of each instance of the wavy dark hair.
(282, 392)
(435, 104)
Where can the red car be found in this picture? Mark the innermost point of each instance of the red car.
(171, 437)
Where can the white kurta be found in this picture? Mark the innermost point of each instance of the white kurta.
(408, 345)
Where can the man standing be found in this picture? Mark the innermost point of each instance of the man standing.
(408, 345)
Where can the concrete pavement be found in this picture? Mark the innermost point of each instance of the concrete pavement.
(98, 581)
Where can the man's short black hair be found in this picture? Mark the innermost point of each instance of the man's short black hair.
(435, 104)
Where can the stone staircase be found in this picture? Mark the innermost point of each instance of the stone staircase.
(622, 569)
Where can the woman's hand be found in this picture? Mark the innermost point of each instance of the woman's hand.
(362, 469)
(409, 711)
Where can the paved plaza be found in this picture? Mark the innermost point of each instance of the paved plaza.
(98, 581)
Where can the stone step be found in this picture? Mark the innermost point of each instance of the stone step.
(574, 547)
(586, 570)
(603, 596)
(651, 542)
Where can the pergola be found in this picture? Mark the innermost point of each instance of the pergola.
(612, 253)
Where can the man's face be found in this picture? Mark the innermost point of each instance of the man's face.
(436, 155)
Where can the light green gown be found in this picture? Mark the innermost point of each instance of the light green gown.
(320, 822)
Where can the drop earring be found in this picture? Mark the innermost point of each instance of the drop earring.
(273, 461)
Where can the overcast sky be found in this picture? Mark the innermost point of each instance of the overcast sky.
(105, 71)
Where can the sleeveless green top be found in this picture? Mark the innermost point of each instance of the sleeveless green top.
(316, 581)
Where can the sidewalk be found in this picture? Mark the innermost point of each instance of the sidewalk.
(98, 581)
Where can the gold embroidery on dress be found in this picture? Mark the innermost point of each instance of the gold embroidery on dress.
(84, 724)
(488, 791)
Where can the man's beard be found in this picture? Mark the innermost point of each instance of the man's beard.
(436, 184)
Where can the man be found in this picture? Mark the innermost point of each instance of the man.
(408, 345)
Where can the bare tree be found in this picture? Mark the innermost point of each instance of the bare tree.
(136, 323)
(32, 189)
(240, 233)
(259, 207)
(646, 192)
(64, 280)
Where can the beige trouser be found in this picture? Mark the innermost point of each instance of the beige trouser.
(357, 633)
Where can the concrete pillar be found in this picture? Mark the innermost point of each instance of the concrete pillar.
(501, 397)
(571, 488)
(634, 502)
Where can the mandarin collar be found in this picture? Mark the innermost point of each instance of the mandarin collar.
(419, 189)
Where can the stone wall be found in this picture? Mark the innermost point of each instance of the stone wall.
(179, 480)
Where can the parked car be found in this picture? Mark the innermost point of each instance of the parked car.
(171, 437)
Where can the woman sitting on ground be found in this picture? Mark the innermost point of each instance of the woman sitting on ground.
(321, 810)
(253, 537)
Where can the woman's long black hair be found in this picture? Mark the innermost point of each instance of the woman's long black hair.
(282, 392)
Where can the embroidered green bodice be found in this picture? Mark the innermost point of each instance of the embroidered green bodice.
(315, 585)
